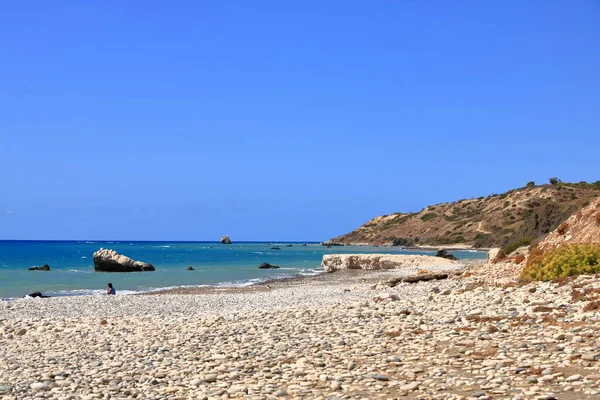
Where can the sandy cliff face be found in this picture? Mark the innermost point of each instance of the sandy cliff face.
(492, 221)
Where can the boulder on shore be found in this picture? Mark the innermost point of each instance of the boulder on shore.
(267, 266)
(334, 262)
(494, 255)
(110, 261)
(46, 267)
(38, 294)
(225, 240)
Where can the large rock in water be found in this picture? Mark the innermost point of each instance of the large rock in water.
(225, 240)
(110, 261)
(334, 262)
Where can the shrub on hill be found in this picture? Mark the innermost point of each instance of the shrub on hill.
(428, 217)
(512, 246)
(565, 261)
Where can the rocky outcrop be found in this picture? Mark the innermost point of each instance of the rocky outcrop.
(494, 255)
(46, 267)
(110, 261)
(225, 240)
(335, 262)
(583, 227)
(403, 242)
(267, 266)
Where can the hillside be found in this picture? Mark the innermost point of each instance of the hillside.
(525, 213)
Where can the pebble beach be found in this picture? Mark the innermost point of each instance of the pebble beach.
(342, 336)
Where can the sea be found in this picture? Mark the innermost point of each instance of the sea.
(215, 264)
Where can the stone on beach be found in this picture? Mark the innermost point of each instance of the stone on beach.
(110, 261)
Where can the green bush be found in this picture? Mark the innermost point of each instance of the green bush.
(531, 184)
(428, 217)
(568, 260)
(512, 246)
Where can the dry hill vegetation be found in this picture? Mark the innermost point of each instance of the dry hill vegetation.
(514, 218)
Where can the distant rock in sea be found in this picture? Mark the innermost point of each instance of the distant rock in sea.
(275, 248)
(110, 261)
(225, 240)
(190, 268)
(444, 254)
(46, 267)
(267, 266)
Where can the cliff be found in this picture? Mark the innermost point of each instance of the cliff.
(583, 227)
(493, 221)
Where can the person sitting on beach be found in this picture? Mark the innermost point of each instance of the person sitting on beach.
(111, 289)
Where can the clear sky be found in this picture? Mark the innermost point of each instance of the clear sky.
(284, 120)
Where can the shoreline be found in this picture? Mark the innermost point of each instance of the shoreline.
(251, 284)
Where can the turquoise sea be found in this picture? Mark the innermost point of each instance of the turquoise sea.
(72, 267)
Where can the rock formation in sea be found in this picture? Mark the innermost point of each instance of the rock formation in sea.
(267, 266)
(110, 261)
(444, 254)
(225, 240)
(334, 262)
(46, 267)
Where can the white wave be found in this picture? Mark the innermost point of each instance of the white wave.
(256, 252)
(165, 247)
(91, 242)
(302, 271)
(83, 256)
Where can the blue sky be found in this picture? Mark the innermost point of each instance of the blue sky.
(276, 120)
